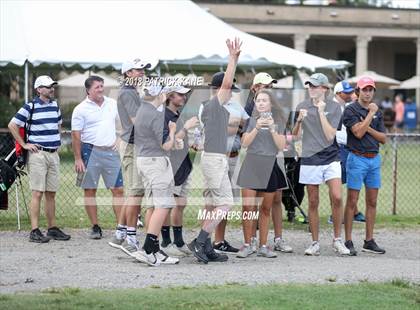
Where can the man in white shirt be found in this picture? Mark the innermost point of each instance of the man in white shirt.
(95, 151)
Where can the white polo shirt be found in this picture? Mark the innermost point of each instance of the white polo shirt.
(96, 123)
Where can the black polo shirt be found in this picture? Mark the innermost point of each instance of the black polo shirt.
(352, 115)
(180, 159)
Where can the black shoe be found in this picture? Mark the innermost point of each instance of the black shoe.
(56, 234)
(211, 253)
(224, 246)
(349, 245)
(198, 251)
(37, 236)
(96, 232)
(371, 247)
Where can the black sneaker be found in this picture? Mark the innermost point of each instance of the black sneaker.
(371, 247)
(37, 236)
(211, 253)
(198, 251)
(350, 246)
(56, 234)
(96, 232)
(224, 246)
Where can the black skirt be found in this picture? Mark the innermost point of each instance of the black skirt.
(261, 173)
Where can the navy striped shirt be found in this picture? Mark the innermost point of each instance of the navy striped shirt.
(45, 122)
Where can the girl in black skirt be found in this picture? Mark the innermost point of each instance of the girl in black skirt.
(260, 174)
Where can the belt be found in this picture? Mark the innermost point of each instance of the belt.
(46, 149)
(233, 154)
(367, 154)
(105, 148)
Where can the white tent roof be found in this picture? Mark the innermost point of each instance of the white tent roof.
(381, 81)
(109, 32)
(411, 83)
(79, 79)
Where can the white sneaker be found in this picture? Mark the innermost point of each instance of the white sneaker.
(184, 249)
(254, 244)
(282, 246)
(313, 249)
(265, 251)
(244, 251)
(166, 259)
(172, 250)
(129, 248)
(339, 247)
(150, 259)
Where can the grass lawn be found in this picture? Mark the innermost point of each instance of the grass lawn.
(70, 211)
(395, 295)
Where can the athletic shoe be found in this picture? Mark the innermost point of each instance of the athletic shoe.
(166, 259)
(350, 246)
(359, 217)
(244, 251)
(198, 251)
(254, 244)
(37, 236)
(96, 232)
(129, 248)
(265, 251)
(57, 234)
(282, 246)
(330, 220)
(224, 247)
(313, 249)
(183, 249)
(150, 259)
(211, 254)
(339, 247)
(172, 250)
(371, 247)
(116, 242)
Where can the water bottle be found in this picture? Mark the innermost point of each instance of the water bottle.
(197, 138)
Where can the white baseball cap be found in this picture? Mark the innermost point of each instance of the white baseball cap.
(134, 64)
(263, 78)
(155, 89)
(44, 80)
(176, 89)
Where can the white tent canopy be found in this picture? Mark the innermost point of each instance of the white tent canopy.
(411, 83)
(381, 81)
(107, 33)
(79, 79)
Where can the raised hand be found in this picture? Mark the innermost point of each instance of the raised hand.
(172, 126)
(302, 115)
(320, 105)
(373, 108)
(191, 123)
(234, 47)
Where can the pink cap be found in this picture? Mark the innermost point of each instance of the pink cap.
(365, 81)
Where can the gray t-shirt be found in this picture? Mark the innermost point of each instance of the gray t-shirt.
(215, 119)
(316, 149)
(148, 129)
(128, 103)
(263, 143)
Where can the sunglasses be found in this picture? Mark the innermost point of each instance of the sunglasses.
(48, 87)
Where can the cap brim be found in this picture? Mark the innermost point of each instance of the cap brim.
(183, 90)
(312, 82)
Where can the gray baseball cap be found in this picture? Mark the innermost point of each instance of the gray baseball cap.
(318, 79)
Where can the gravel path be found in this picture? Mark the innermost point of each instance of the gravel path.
(85, 263)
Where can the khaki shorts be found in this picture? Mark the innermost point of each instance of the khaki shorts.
(133, 183)
(183, 189)
(43, 170)
(158, 179)
(215, 169)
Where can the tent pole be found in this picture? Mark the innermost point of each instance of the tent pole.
(26, 81)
